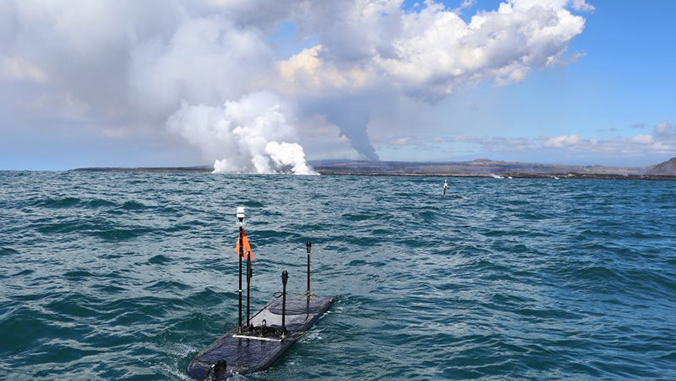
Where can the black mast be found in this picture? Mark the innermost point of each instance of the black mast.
(285, 277)
(240, 218)
(248, 290)
(308, 246)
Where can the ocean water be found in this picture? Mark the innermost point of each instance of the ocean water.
(126, 276)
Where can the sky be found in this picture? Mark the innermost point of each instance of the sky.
(254, 86)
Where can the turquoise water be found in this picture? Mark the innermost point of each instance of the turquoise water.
(127, 276)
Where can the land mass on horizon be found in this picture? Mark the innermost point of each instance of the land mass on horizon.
(478, 167)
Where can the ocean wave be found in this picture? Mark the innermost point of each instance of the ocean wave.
(515, 280)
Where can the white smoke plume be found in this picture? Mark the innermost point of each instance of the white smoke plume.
(243, 135)
(206, 70)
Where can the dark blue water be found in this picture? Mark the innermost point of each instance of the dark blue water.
(127, 276)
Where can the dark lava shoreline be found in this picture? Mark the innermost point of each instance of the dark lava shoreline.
(558, 176)
(147, 169)
(348, 172)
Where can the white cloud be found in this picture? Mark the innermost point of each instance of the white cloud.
(661, 142)
(59, 105)
(563, 141)
(437, 51)
(431, 52)
(498, 143)
(583, 6)
(14, 68)
(467, 4)
(306, 71)
(664, 129)
(143, 62)
(206, 60)
(117, 132)
(642, 139)
(400, 141)
(371, 50)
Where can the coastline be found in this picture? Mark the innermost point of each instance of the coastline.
(356, 172)
(505, 176)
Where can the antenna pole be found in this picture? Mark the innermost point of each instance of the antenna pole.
(240, 218)
(285, 277)
(248, 291)
(308, 246)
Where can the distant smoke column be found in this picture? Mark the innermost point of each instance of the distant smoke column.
(354, 128)
(351, 114)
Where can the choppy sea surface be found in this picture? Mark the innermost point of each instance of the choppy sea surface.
(126, 276)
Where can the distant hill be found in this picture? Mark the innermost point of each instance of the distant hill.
(667, 168)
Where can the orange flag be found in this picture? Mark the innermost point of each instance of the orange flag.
(247, 248)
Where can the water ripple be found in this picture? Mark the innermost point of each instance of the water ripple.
(129, 275)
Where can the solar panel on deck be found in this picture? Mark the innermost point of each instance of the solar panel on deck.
(252, 354)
